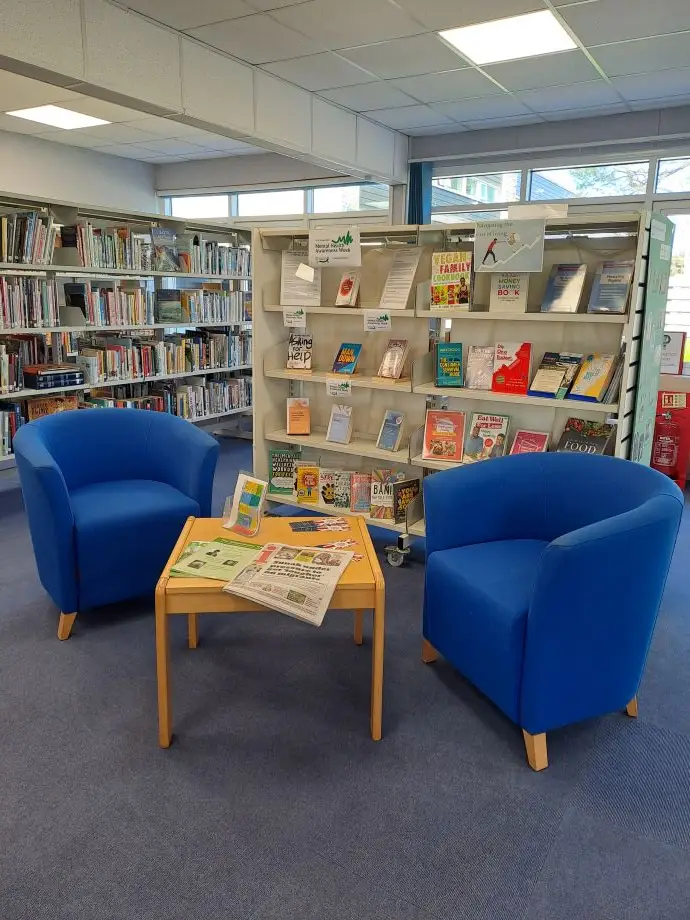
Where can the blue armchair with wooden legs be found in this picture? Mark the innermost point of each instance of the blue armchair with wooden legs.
(544, 577)
(107, 492)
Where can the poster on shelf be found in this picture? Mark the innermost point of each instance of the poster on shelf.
(376, 320)
(335, 246)
(513, 245)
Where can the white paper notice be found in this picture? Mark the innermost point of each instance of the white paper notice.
(376, 320)
(338, 246)
(295, 290)
(400, 278)
(337, 388)
(665, 252)
(295, 317)
(658, 231)
(305, 272)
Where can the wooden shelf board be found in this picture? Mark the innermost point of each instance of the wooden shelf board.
(44, 330)
(336, 512)
(359, 447)
(522, 317)
(18, 268)
(357, 380)
(433, 464)
(347, 311)
(571, 405)
(418, 529)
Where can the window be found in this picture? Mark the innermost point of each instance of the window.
(336, 198)
(200, 206)
(261, 204)
(678, 304)
(673, 176)
(463, 217)
(457, 191)
(588, 181)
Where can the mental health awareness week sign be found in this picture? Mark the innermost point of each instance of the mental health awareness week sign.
(337, 246)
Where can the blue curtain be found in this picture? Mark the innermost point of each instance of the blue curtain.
(419, 193)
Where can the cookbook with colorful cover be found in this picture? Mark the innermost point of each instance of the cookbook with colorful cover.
(443, 435)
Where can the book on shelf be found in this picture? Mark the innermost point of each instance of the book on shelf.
(512, 368)
(27, 237)
(169, 306)
(487, 437)
(611, 288)
(340, 424)
(46, 376)
(360, 492)
(444, 432)
(555, 374)
(564, 288)
(394, 357)
(448, 364)
(404, 492)
(281, 471)
(508, 292)
(165, 253)
(391, 431)
(381, 497)
(593, 378)
(296, 291)
(346, 360)
(307, 483)
(479, 367)
(342, 489)
(348, 289)
(451, 280)
(529, 442)
(582, 436)
(672, 351)
(299, 351)
(396, 290)
(37, 408)
(298, 415)
(327, 479)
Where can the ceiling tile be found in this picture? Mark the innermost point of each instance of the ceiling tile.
(405, 57)
(126, 150)
(590, 112)
(368, 96)
(118, 134)
(483, 107)
(172, 147)
(265, 6)
(486, 124)
(545, 70)
(575, 95)
(18, 92)
(21, 125)
(319, 71)
(257, 39)
(644, 55)
(447, 86)
(613, 21)
(411, 116)
(335, 24)
(216, 142)
(180, 14)
(74, 139)
(641, 105)
(450, 14)
(97, 108)
(664, 83)
(434, 129)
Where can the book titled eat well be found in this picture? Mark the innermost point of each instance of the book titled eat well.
(512, 363)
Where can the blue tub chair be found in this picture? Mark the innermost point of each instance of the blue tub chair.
(544, 577)
(107, 492)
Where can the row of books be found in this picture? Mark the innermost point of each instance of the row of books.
(340, 424)
(28, 303)
(11, 420)
(449, 437)
(506, 367)
(27, 237)
(299, 356)
(383, 494)
(210, 304)
(191, 253)
(124, 304)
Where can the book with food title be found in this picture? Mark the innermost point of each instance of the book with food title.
(443, 435)
(512, 367)
(508, 292)
(348, 289)
(448, 364)
(281, 471)
(593, 378)
(298, 415)
(360, 492)
(404, 492)
(307, 483)
(582, 436)
(529, 442)
(564, 288)
(451, 280)
(479, 367)
(299, 351)
(347, 358)
(393, 361)
(391, 431)
(611, 288)
(487, 437)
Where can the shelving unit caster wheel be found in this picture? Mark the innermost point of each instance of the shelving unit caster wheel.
(395, 556)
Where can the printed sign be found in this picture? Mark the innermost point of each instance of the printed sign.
(305, 273)
(336, 388)
(513, 245)
(376, 320)
(338, 246)
(295, 317)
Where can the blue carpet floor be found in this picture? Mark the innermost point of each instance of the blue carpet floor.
(273, 801)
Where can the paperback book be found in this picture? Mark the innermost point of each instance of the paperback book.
(348, 289)
(341, 488)
(391, 431)
(512, 366)
(487, 437)
(611, 288)
(298, 415)
(555, 374)
(299, 351)
(508, 292)
(307, 483)
(327, 486)
(451, 280)
(479, 367)
(448, 369)
(381, 496)
(340, 424)
(404, 492)
(281, 471)
(347, 358)
(564, 288)
(360, 492)
(443, 435)
(529, 442)
(593, 378)
(393, 361)
(165, 253)
(169, 306)
(582, 436)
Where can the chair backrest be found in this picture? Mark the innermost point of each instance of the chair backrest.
(105, 445)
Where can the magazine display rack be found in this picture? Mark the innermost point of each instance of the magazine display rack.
(583, 239)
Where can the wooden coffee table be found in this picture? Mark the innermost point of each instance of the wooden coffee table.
(360, 588)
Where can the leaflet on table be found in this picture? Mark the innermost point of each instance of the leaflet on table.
(296, 580)
(221, 559)
(244, 514)
(185, 554)
(400, 278)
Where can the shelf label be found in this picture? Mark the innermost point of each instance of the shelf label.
(337, 246)
(337, 388)
(294, 316)
(377, 320)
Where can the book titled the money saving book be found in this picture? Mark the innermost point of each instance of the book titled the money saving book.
(391, 431)
(347, 358)
(508, 292)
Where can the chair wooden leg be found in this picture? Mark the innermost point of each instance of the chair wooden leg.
(65, 625)
(192, 630)
(535, 745)
(631, 708)
(429, 653)
(359, 627)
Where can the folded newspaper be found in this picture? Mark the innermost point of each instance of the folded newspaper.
(296, 580)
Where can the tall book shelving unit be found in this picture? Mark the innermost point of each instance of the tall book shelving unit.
(62, 269)
(588, 239)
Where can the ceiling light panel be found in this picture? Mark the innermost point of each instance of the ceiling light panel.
(58, 117)
(510, 39)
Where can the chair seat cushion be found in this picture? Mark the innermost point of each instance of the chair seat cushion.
(125, 532)
(476, 604)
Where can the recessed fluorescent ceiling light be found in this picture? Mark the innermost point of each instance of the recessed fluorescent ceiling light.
(58, 117)
(510, 39)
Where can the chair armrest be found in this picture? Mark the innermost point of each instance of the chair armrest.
(51, 522)
(187, 462)
(592, 615)
(489, 500)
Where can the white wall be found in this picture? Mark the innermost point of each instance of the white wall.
(43, 169)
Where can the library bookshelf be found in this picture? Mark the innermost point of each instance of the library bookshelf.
(64, 266)
(587, 238)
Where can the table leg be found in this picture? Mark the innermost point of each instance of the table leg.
(359, 627)
(377, 663)
(163, 670)
(192, 630)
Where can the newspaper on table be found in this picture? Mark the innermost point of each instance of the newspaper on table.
(296, 580)
(220, 559)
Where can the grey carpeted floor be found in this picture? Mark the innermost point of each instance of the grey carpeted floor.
(273, 802)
